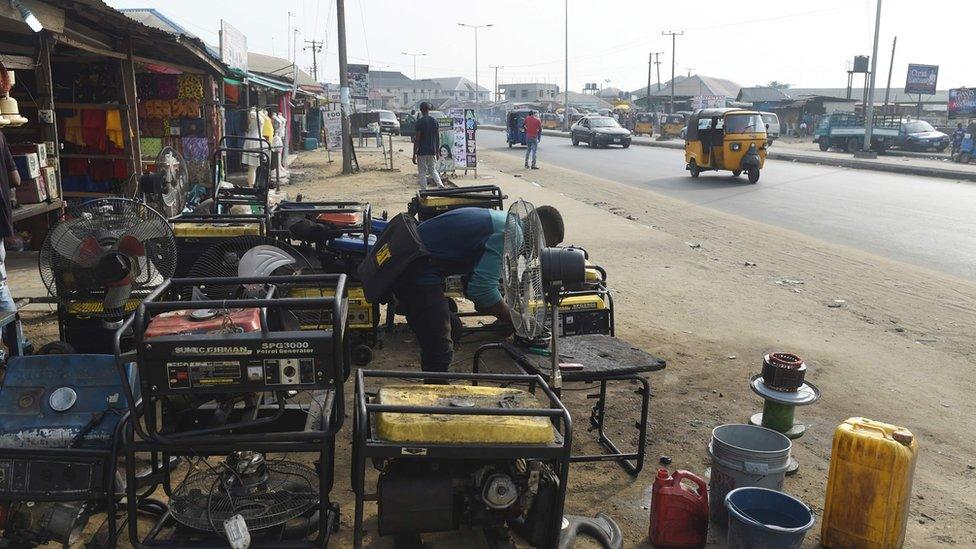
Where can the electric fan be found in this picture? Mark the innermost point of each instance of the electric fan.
(247, 256)
(532, 276)
(166, 188)
(103, 256)
(266, 493)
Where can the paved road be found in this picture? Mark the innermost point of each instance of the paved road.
(924, 221)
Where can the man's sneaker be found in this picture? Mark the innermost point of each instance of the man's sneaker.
(535, 167)
(526, 166)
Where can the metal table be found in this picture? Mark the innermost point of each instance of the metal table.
(604, 359)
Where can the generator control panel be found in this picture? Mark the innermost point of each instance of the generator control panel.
(36, 476)
(242, 362)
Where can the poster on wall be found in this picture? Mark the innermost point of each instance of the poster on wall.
(922, 79)
(233, 47)
(465, 149)
(445, 148)
(708, 102)
(962, 103)
(358, 81)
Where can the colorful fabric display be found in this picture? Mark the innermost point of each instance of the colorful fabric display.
(113, 128)
(189, 87)
(146, 86)
(150, 146)
(192, 127)
(167, 86)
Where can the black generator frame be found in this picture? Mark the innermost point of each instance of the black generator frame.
(262, 221)
(260, 434)
(241, 196)
(367, 445)
(491, 197)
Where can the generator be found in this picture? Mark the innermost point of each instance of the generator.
(430, 203)
(61, 419)
(362, 325)
(237, 377)
(585, 313)
(493, 457)
(195, 233)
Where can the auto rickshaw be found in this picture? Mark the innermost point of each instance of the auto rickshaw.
(550, 121)
(672, 125)
(516, 121)
(726, 139)
(644, 124)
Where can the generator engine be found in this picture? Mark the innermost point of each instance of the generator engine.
(423, 496)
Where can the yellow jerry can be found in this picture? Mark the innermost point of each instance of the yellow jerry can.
(869, 486)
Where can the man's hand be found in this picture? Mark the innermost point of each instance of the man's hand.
(414, 159)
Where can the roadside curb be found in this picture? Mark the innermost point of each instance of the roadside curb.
(852, 163)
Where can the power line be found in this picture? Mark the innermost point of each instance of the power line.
(316, 47)
(362, 18)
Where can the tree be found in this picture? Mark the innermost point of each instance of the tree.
(776, 84)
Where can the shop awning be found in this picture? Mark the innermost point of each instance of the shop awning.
(268, 82)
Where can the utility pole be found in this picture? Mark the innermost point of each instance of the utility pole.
(566, 89)
(344, 87)
(657, 65)
(288, 43)
(496, 67)
(869, 111)
(891, 67)
(647, 96)
(415, 56)
(316, 47)
(674, 44)
(477, 92)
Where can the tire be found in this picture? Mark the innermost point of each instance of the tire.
(965, 158)
(56, 348)
(509, 145)
(592, 142)
(362, 355)
(575, 141)
(626, 144)
(853, 144)
(753, 175)
(824, 144)
(693, 169)
(736, 173)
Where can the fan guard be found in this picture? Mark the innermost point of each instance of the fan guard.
(522, 270)
(223, 258)
(105, 255)
(266, 493)
(170, 183)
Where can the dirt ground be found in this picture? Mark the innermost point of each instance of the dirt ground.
(711, 293)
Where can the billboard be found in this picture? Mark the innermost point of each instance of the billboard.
(233, 47)
(922, 79)
(358, 81)
(465, 151)
(445, 149)
(707, 102)
(962, 103)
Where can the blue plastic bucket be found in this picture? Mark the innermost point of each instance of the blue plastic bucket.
(767, 519)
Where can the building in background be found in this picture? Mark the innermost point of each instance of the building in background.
(461, 90)
(394, 90)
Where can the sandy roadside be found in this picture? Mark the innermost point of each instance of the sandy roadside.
(898, 350)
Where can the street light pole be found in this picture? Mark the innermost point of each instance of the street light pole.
(566, 88)
(477, 101)
(344, 87)
(869, 111)
(415, 56)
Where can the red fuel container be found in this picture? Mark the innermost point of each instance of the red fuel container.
(679, 515)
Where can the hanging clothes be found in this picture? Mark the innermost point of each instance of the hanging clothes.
(72, 129)
(253, 131)
(267, 128)
(93, 129)
(113, 128)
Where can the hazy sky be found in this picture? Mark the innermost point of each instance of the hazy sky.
(807, 43)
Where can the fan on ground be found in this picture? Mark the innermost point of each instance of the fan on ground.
(106, 253)
(522, 270)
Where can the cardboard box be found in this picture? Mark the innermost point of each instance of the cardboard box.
(50, 177)
(31, 191)
(27, 148)
(28, 166)
(49, 147)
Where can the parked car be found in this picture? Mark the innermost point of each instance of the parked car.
(407, 123)
(599, 131)
(772, 125)
(389, 122)
(919, 135)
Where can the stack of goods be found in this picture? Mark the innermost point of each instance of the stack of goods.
(94, 133)
(39, 180)
(171, 114)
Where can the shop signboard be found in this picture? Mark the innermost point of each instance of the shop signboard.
(962, 103)
(233, 47)
(333, 126)
(922, 79)
(358, 81)
(465, 149)
(708, 102)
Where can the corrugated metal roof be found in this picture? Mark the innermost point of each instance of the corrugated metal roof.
(762, 94)
(898, 95)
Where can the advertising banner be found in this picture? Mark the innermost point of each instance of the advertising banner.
(233, 47)
(333, 126)
(358, 81)
(962, 103)
(445, 149)
(465, 149)
(922, 79)
(707, 102)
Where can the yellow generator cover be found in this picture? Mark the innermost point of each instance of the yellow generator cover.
(869, 486)
(189, 229)
(360, 315)
(444, 202)
(589, 302)
(443, 428)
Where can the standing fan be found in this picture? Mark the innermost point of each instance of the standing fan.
(532, 276)
(166, 188)
(105, 255)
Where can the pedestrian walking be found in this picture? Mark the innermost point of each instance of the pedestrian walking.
(425, 140)
(9, 177)
(957, 137)
(533, 134)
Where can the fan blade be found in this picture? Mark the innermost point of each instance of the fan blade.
(88, 252)
(131, 246)
(146, 230)
(116, 296)
(262, 260)
(64, 240)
